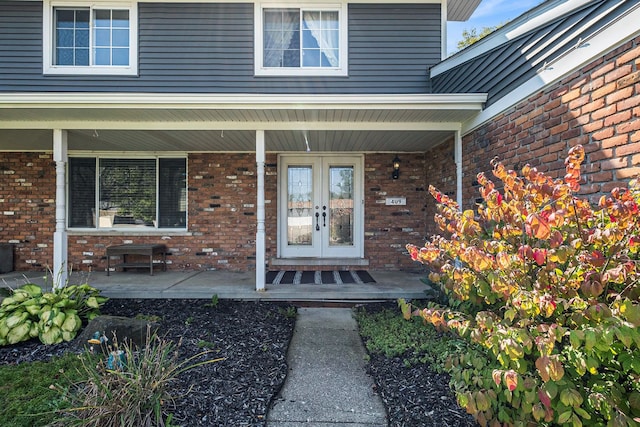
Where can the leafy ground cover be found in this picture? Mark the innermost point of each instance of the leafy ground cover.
(406, 361)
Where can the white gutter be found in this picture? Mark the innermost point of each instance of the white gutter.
(458, 159)
(240, 101)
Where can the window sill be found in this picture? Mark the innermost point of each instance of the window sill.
(128, 232)
(300, 72)
(90, 71)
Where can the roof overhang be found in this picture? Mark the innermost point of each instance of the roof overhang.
(461, 10)
(201, 122)
(457, 10)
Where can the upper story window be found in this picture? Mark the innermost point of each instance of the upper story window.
(90, 38)
(306, 40)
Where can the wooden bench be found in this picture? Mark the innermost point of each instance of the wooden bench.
(130, 249)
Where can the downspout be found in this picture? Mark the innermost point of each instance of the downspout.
(458, 159)
(60, 239)
(260, 231)
(443, 30)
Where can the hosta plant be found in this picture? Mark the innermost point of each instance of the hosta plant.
(53, 317)
(548, 284)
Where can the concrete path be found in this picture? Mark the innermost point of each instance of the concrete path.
(327, 384)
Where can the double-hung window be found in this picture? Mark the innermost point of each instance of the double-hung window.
(90, 38)
(127, 193)
(306, 40)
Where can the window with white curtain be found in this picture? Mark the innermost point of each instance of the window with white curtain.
(139, 193)
(301, 40)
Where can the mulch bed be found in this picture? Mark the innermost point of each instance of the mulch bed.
(414, 394)
(254, 339)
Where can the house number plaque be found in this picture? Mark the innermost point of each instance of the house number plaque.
(395, 201)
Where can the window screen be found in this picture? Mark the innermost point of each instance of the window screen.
(172, 200)
(82, 192)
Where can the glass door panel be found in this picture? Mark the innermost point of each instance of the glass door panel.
(300, 205)
(320, 207)
(341, 204)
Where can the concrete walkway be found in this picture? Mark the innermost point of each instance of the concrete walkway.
(327, 384)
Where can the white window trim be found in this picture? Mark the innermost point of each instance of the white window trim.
(47, 39)
(261, 70)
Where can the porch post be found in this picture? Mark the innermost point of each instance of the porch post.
(260, 232)
(458, 157)
(60, 245)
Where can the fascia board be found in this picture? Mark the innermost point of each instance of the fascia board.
(238, 101)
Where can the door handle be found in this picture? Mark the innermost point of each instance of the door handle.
(324, 216)
(317, 225)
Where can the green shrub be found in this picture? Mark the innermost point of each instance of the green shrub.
(547, 284)
(53, 317)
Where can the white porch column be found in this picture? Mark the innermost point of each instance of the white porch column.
(458, 156)
(260, 232)
(60, 253)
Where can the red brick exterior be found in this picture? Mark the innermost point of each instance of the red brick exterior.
(441, 173)
(27, 205)
(221, 217)
(389, 228)
(598, 107)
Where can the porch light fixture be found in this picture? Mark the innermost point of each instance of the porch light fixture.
(396, 168)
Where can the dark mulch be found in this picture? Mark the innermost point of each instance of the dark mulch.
(414, 394)
(254, 338)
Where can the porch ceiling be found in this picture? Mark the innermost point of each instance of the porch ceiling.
(148, 122)
(224, 141)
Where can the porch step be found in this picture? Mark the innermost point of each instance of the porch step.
(312, 262)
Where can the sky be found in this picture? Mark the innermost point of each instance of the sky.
(488, 14)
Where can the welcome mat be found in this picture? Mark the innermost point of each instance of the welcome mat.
(335, 277)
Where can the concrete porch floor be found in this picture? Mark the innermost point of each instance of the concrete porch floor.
(230, 285)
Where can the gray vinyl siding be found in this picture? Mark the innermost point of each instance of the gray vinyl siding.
(501, 70)
(208, 48)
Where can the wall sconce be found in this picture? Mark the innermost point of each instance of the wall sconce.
(396, 168)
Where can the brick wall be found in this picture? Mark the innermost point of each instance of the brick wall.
(441, 173)
(598, 107)
(389, 228)
(222, 214)
(27, 207)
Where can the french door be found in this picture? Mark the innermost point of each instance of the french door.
(321, 206)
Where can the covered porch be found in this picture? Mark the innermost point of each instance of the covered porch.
(257, 127)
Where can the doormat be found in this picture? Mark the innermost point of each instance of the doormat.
(334, 277)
